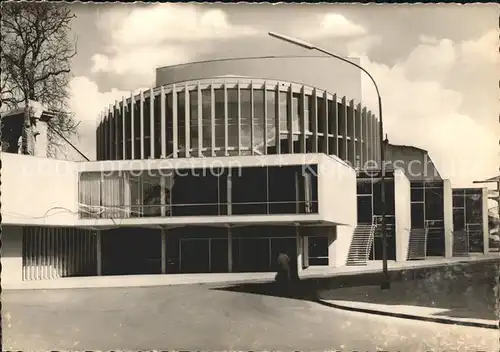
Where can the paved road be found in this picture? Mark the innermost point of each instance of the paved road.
(199, 318)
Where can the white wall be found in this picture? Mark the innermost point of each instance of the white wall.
(12, 254)
(448, 218)
(402, 204)
(338, 204)
(337, 191)
(38, 191)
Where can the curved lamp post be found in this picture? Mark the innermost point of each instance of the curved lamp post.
(386, 282)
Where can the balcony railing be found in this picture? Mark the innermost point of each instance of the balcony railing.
(205, 209)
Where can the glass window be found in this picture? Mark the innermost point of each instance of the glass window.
(157, 127)
(206, 98)
(181, 122)
(365, 211)
(249, 190)
(137, 130)
(282, 189)
(283, 112)
(246, 116)
(364, 186)
(258, 112)
(150, 194)
(219, 118)
(417, 216)
(342, 119)
(318, 250)
(350, 122)
(458, 219)
(389, 197)
(169, 117)
(271, 118)
(193, 119)
(112, 196)
(417, 194)
(458, 201)
(473, 208)
(434, 208)
(232, 105)
(195, 192)
(147, 129)
(321, 115)
(297, 105)
(357, 124)
(126, 136)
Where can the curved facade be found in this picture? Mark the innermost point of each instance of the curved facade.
(233, 116)
(322, 72)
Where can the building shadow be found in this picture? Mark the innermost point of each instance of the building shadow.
(458, 291)
(465, 291)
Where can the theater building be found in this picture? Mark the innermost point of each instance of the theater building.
(219, 168)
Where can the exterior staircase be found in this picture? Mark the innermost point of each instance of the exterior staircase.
(361, 244)
(417, 246)
(460, 243)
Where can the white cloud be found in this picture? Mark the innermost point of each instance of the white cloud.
(431, 61)
(334, 25)
(88, 103)
(419, 110)
(149, 36)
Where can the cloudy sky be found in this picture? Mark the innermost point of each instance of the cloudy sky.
(437, 65)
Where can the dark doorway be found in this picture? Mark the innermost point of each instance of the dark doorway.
(195, 255)
(218, 256)
(253, 255)
(131, 251)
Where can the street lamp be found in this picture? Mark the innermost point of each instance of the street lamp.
(386, 282)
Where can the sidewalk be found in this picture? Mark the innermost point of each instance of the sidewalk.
(451, 301)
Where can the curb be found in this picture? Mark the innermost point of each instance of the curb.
(410, 316)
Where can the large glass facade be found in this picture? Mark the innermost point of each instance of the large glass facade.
(427, 212)
(200, 192)
(370, 206)
(247, 117)
(468, 215)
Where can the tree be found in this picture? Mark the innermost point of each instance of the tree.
(36, 54)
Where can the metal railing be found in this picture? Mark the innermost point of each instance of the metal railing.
(209, 209)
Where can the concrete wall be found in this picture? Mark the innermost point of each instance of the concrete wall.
(38, 191)
(337, 191)
(448, 218)
(12, 254)
(402, 205)
(416, 162)
(338, 204)
(318, 71)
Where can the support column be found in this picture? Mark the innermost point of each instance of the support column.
(99, 253)
(448, 218)
(299, 242)
(163, 251)
(229, 249)
(305, 247)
